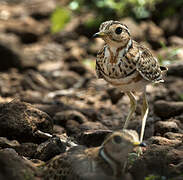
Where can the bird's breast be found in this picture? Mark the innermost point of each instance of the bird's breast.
(120, 68)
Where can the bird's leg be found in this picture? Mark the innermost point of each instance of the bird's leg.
(133, 103)
(144, 111)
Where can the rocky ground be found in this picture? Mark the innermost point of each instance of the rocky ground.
(48, 87)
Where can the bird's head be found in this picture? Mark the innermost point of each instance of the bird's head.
(114, 33)
(119, 144)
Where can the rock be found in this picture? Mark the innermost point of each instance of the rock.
(64, 79)
(174, 88)
(91, 113)
(165, 25)
(12, 1)
(162, 127)
(180, 118)
(175, 41)
(162, 141)
(92, 126)
(26, 149)
(72, 127)
(5, 143)
(94, 176)
(13, 11)
(171, 54)
(13, 167)
(176, 69)
(69, 142)
(78, 68)
(27, 29)
(40, 9)
(22, 121)
(12, 54)
(58, 129)
(92, 138)
(114, 94)
(75, 50)
(166, 109)
(49, 149)
(95, 46)
(153, 33)
(10, 83)
(31, 96)
(157, 160)
(54, 107)
(135, 29)
(174, 136)
(49, 52)
(178, 177)
(61, 118)
(35, 81)
(10, 51)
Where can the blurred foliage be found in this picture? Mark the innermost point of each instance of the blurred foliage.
(59, 19)
(89, 63)
(181, 97)
(168, 8)
(119, 8)
(155, 177)
(114, 9)
(170, 56)
(132, 157)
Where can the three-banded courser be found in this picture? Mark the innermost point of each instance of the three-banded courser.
(127, 65)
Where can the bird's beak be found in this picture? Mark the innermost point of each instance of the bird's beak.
(99, 34)
(142, 144)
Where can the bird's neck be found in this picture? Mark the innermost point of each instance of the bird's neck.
(117, 52)
(112, 163)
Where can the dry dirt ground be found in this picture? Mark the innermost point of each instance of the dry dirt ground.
(47, 86)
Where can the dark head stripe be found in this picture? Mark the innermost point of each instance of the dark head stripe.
(105, 25)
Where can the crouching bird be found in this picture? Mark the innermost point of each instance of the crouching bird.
(107, 161)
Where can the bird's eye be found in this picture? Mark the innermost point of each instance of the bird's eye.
(118, 30)
(117, 139)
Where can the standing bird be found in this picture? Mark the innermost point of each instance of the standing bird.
(107, 161)
(127, 65)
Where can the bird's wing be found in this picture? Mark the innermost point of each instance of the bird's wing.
(68, 165)
(100, 56)
(148, 66)
(58, 168)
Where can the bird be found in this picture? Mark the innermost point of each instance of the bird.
(127, 65)
(107, 161)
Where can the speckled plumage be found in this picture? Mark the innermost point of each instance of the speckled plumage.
(137, 60)
(108, 160)
(127, 65)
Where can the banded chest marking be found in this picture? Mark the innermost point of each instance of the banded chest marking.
(124, 67)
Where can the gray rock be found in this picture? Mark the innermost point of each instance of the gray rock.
(157, 160)
(40, 8)
(176, 69)
(22, 121)
(158, 140)
(92, 138)
(49, 149)
(10, 53)
(26, 149)
(61, 118)
(115, 95)
(174, 136)
(167, 109)
(162, 127)
(175, 40)
(14, 167)
(5, 143)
